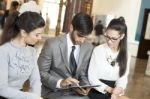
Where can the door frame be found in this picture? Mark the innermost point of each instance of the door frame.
(144, 44)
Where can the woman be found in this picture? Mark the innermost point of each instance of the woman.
(18, 60)
(108, 66)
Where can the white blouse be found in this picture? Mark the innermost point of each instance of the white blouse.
(100, 68)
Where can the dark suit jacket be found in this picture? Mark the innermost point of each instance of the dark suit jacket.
(53, 64)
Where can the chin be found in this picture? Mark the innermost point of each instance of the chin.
(78, 43)
(31, 43)
(110, 45)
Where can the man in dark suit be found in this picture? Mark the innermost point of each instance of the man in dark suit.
(62, 65)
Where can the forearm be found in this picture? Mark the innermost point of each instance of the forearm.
(84, 80)
(36, 87)
(16, 94)
(49, 80)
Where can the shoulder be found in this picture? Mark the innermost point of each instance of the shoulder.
(100, 47)
(56, 40)
(87, 46)
(32, 49)
(5, 48)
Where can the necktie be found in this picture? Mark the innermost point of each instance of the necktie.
(73, 65)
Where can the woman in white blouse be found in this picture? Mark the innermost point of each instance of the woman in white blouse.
(108, 66)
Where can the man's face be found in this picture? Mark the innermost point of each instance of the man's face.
(77, 37)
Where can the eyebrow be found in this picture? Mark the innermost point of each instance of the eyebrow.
(113, 37)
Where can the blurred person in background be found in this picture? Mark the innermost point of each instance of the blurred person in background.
(98, 37)
(31, 5)
(13, 7)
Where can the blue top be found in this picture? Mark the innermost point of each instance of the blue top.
(16, 66)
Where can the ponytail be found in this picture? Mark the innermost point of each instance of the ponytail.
(27, 21)
(11, 28)
(120, 26)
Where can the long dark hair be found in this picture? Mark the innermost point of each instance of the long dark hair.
(119, 25)
(28, 21)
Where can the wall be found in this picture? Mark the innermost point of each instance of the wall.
(144, 4)
(127, 8)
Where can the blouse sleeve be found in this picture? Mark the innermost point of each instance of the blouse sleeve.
(93, 72)
(35, 81)
(122, 81)
(6, 90)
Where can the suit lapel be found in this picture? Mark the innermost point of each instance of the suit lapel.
(81, 55)
(64, 50)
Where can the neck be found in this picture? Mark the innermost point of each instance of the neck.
(114, 49)
(19, 41)
(71, 37)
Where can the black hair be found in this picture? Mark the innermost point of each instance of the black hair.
(83, 23)
(99, 28)
(119, 25)
(14, 4)
(28, 21)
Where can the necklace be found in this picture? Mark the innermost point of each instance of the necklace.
(111, 57)
(111, 61)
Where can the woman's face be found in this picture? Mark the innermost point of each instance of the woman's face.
(113, 38)
(34, 36)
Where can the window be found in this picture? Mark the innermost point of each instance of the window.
(52, 8)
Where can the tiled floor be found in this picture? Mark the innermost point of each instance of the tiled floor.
(139, 84)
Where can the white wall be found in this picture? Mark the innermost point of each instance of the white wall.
(129, 9)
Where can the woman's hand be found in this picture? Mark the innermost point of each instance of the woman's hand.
(118, 90)
(109, 89)
(114, 96)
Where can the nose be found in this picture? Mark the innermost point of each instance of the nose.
(109, 41)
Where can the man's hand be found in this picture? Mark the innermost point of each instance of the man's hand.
(81, 91)
(87, 90)
(68, 81)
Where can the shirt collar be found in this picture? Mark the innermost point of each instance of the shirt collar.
(70, 43)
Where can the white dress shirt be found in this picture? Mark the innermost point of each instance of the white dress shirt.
(76, 51)
(76, 54)
(100, 68)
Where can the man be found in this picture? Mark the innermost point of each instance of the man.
(99, 28)
(98, 37)
(61, 66)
